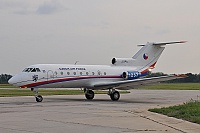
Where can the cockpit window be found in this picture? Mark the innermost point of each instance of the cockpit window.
(25, 70)
(37, 69)
(31, 70)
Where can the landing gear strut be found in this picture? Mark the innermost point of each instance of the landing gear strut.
(89, 94)
(38, 98)
(114, 95)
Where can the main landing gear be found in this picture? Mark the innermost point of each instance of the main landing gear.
(38, 98)
(89, 94)
(114, 95)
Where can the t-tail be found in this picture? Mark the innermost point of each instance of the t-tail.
(146, 57)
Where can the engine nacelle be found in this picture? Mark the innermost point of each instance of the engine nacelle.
(129, 75)
(122, 61)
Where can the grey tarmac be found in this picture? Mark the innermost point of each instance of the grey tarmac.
(75, 114)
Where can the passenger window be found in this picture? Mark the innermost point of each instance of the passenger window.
(93, 73)
(61, 73)
(87, 73)
(68, 73)
(81, 73)
(74, 73)
(104, 73)
(33, 70)
(99, 73)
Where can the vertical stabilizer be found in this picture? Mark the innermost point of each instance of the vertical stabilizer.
(148, 55)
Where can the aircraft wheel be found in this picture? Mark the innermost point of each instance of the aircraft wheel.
(89, 94)
(115, 96)
(39, 98)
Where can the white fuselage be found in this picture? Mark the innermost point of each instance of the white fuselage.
(69, 76)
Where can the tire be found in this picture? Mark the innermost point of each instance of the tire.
(89, 94)
(115, 96)
(39, 98)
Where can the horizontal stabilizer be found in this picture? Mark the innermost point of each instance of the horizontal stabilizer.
(163, 43)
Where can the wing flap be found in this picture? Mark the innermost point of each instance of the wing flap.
(130, 84)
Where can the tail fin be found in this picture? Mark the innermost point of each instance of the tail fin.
(148, 55)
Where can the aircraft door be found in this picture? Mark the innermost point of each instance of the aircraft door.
(50, 75)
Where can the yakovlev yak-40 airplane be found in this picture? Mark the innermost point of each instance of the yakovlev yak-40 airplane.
(122, 74)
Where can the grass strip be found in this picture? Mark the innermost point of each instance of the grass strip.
(162, 86)
(173, 86)
(189, 111)
(7, 86)
(27, 92)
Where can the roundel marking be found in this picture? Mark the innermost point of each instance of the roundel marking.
(145, 56)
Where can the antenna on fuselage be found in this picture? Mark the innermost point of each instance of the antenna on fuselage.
(76, 62)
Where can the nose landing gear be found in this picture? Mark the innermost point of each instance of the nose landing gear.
(38, 98)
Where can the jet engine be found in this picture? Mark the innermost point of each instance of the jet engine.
(129, 75)
(122, 61)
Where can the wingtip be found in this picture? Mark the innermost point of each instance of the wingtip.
(181, 75)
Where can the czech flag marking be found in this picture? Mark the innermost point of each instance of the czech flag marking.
(145, 56)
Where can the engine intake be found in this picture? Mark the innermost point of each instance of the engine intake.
(129, 75)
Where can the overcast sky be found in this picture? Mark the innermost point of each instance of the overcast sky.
(95, 31)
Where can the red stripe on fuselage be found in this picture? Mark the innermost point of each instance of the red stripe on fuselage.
(64, 80)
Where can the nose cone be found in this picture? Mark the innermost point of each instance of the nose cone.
(11, 81)
(14, 80)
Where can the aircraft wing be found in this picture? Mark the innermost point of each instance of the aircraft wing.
(131, 84)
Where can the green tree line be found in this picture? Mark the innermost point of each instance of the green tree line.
(191, 78)
(4, 78)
